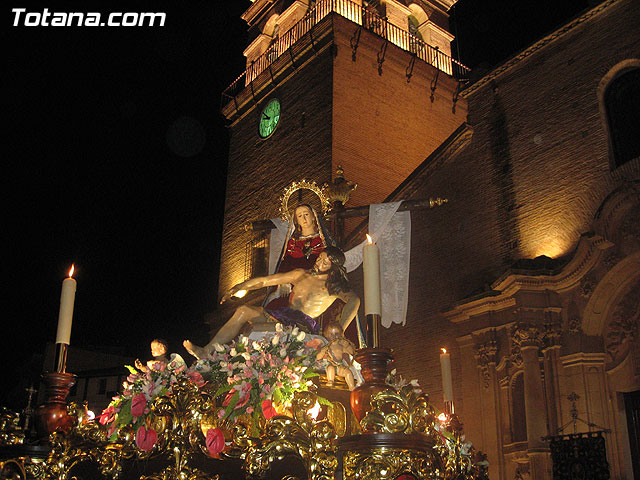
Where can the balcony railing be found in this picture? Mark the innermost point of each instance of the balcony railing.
(361, 16)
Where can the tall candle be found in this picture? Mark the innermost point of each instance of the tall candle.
(67, 300)
(371, 266)
(447, 384)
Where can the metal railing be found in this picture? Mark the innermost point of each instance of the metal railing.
(361, 16)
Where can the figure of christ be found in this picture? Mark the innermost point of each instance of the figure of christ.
(313, 292)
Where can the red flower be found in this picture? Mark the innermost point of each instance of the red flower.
(196, 378)
(146, 439)
(138, 404)
(215, 442)
(227, 399)
(108, 415)
(267, 409)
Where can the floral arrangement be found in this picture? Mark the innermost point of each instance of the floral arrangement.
(259, 378)
(251, 378)
(132, 406)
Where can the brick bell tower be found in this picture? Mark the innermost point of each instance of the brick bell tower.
(370, 86)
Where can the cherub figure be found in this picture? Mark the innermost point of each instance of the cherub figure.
(339, 354)
(159, 350)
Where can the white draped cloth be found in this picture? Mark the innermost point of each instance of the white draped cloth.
(391, 231)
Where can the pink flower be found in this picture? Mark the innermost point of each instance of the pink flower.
(138, 404)
(267, 409)
(108, 415)
(112, 428)
(196, 378)
(243, 401)
(215, 442)
(249, 409)
(146, 439)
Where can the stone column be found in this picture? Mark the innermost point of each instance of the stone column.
(528, 338)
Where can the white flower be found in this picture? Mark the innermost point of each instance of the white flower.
(300, 351)
(414, 383)
(244, 340)
(246, 356)
(233, 352)
(275, 340)
(278, 327)
(283, 352)
(300, 336)
(294, 331)
(223, 364)
(218, 347)
(393, 372)
(256, 346)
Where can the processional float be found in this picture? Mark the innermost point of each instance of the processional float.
(254, 408)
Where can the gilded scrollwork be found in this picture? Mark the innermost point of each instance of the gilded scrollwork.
(389, 464)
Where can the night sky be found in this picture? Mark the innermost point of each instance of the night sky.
(115, 160)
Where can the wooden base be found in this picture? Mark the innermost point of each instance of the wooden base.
(52, 416)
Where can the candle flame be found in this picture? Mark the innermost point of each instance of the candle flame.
(314, 411)
(442, 417)
(369, 239)
(240, 293)
(73, 267)
(444, 350)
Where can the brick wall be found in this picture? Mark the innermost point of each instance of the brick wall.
(529, 183)
(384, 126)
(260, 169)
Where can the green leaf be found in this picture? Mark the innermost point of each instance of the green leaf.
(124, 416)
(131, 369)
(277, 395)
(234, 401)
(323, 401)
(223, 389)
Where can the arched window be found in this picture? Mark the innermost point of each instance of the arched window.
(622, 107)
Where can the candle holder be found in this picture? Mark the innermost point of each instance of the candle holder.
(372, 334)
(449, 409)
(61, 357)
(52, 415)
(374, 363)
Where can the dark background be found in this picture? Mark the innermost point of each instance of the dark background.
(115, 160)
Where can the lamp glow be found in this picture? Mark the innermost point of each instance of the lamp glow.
(240, 293)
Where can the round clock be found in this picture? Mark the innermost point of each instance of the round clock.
(269, 118)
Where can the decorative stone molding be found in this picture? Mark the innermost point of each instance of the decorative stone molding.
(527, 336)
(485, 356)
(623, 326)
(587, 286)
(574, 324)
(551, 334)
(611, 260)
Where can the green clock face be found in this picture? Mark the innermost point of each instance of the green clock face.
(269, 118)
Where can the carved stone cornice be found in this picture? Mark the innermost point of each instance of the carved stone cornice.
(588, 253)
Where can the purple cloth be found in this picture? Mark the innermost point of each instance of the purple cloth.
(295, 318)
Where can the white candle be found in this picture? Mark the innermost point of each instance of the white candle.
(371, 266)
(447, 384)
(67, 300)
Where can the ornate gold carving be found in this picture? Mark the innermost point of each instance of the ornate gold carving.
(385, 463)
(340, 190)
(310, 440)
(325, 202)
(405, 411)
(10, 430)
(587, 286)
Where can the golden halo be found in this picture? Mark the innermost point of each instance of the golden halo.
(303, 185)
